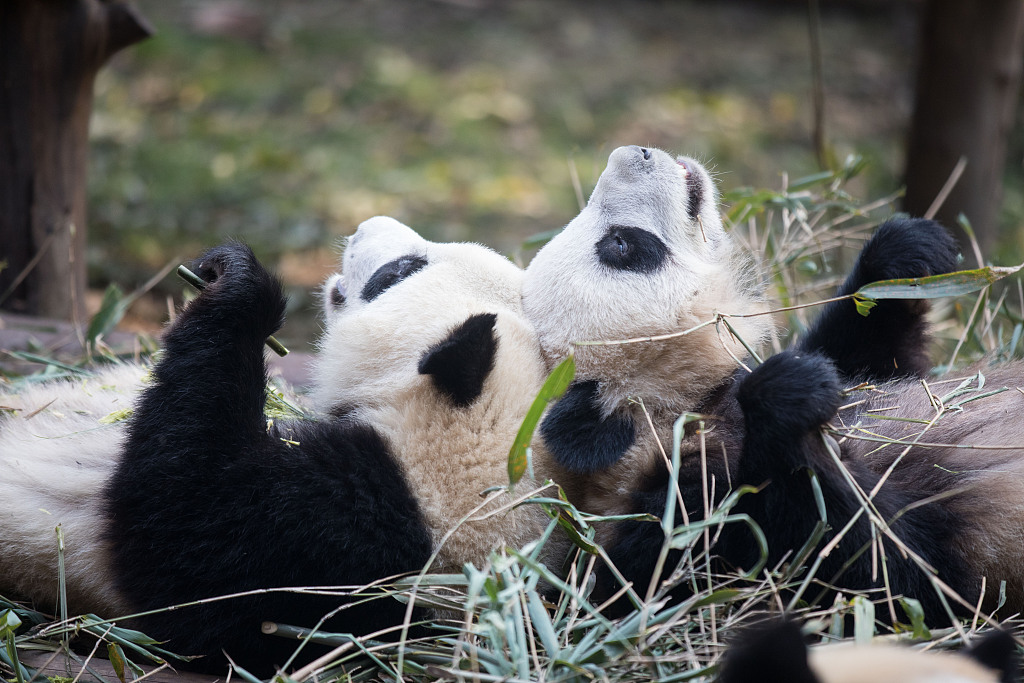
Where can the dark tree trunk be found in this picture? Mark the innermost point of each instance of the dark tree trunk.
(50, 51)
(968, 81)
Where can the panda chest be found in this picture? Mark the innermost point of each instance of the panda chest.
(466, 523)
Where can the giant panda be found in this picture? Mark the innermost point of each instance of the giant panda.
(775, 652)
(423, 374)
(648, 256)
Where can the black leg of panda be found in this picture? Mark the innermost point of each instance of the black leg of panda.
(997, 651)
(892, 341)
(209, 499)
(774, 652)
(579, 437)
(784, 402)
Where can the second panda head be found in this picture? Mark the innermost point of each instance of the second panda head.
(427, 342)
(647, 256)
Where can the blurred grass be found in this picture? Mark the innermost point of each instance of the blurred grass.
(287, 123)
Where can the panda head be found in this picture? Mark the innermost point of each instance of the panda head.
(776, 653)
(405, 314)
(646, 256)
(427, 343)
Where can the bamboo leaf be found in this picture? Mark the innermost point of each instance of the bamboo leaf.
(863, 620)
(864, 306)
(811, 180)
(554, 386)
(9, 622)
(914, 610)
(111, 311)
(540, 239)
(935, 286)
(117, 660)
(542, 624)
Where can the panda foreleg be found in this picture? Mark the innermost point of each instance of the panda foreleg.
(892, 340)
(785, 401)
(207, 500)
(209, 389)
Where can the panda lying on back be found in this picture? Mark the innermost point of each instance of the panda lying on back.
(424, 373)
(648, 255)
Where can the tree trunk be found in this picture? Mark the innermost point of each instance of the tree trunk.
(967, 87)
(50, 51)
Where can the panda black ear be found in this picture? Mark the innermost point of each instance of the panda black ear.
(772, 653)
(997, 651)
(459, 364)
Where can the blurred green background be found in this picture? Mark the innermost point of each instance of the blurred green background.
(287, 123)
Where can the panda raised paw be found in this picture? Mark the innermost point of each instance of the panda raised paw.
(908, 248)
(892, 340)
(239, 287)
(789, 395)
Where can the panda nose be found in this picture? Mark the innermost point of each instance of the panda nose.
(646, 152)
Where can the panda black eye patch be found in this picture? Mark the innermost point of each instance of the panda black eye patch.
(390, 274)
(632, 249)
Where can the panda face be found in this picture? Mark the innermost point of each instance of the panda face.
(646, 256)
(638, 239)
(380, 254)
(657, 194)
(397, 297)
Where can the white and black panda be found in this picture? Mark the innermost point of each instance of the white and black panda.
(424, 373)
(648, 256)
(776, 652)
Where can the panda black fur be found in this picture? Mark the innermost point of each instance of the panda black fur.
(765, 423)
(892, 341)
(777, 653)
(423, 374)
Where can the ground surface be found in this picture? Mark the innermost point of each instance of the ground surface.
(286, 123)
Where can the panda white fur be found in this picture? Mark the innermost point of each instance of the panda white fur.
(424, 373)
(57, 450)
(776, 653)
(648, 256)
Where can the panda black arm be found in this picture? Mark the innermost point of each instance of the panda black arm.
(206, 501)
(892, 341)
(785, 401)
(209, 388)
(579, 437)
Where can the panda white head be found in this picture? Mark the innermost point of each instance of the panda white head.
(647, 256)
(427, 343)
(397, 295)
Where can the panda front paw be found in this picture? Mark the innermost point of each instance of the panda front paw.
(239, 288)
(789, 395)
(907, 248)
